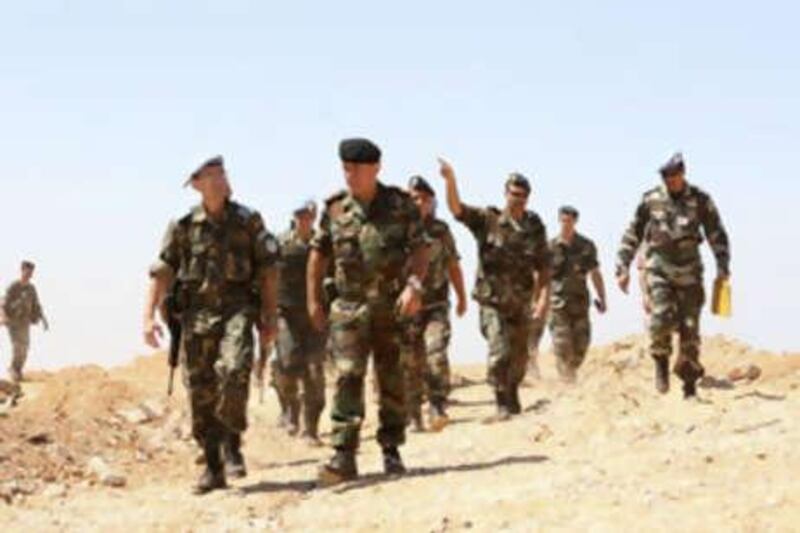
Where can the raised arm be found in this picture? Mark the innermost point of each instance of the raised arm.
(453, 198)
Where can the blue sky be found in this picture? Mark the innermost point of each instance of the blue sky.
(105, 108)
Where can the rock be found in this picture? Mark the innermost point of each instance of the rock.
(745, 372)
(135, 415)
(100, 469)
(40, 438)
(55, 490)
(153, 408)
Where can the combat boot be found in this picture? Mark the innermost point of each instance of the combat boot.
(514, 405)
(311, 432)
(234, 460)
(438, 418)
(662, 375)
(689, 389)
(392, 462)
(213, 477)
(502, 413)
(293, 418)
(339, 469)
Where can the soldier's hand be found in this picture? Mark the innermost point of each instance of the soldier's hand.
(446, 169)
(539, 312)
(410, 302)
(317, 315)
(623, 280)
(153, 333)
(461, 308)
(601, 306)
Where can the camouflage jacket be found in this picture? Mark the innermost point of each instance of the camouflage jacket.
(509, 252)
(671, 229)
(292, 270)
(370, 245)
(216, 263)
(442, 251)
(571, 264)
(21, 304)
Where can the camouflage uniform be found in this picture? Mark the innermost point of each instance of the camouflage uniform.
(669, 227)
(569, 302)
(509, 253)
(426, 336)
(22, 308)
(369, 246)
(217, 264)
(300, 348)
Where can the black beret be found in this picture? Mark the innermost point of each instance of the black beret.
(569, 210)
(518, 180)
(28, 264)
(215, 161)
(359, 150)
(418, 183)
(673, 166)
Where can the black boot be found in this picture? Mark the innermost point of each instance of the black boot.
(392, 462)
(514, 406)
(234, 461)
(293, 419)
(213, 477)
(662, 375)
(311, 431)
(502, 413)
(689, 389)
(339, 469)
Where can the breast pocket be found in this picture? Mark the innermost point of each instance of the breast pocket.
(194, 266)
(238, 263)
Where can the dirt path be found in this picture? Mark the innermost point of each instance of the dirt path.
(605, 455)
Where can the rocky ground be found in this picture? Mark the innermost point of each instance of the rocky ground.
(93, 449)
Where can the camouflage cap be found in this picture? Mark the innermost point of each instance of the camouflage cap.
(359, 150)
(418, 183)
(516, 179)
(215, 161)
(674, 165)
(569, 210)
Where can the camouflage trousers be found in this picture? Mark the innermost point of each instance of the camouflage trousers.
(20, 343)
(425, 340)
(299, 360)
(676, 308)
(571, 333)
(508, 336)
(356, 330)
(216, 372)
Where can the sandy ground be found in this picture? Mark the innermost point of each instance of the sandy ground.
(608, 454)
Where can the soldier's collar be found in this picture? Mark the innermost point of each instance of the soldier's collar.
(683, 194)
(199, 214)
(506, 218)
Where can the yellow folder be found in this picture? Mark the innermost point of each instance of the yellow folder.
(721, 299)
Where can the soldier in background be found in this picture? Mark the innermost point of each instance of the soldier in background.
(670, 222)
(427, 335)
(216, 254)
(574, 258)
(300, 348)
(513, 281)
(21, 308)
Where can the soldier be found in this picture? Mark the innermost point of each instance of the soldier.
(574, 257)
(373, 234)
(22, 308)
(513, 281)
(216, 254)
(300, 348)
(428, 333)
(670, 221)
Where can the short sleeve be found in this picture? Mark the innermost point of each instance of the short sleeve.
(168, 260)
(475, 219)
(266, 251)
(322, 241)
